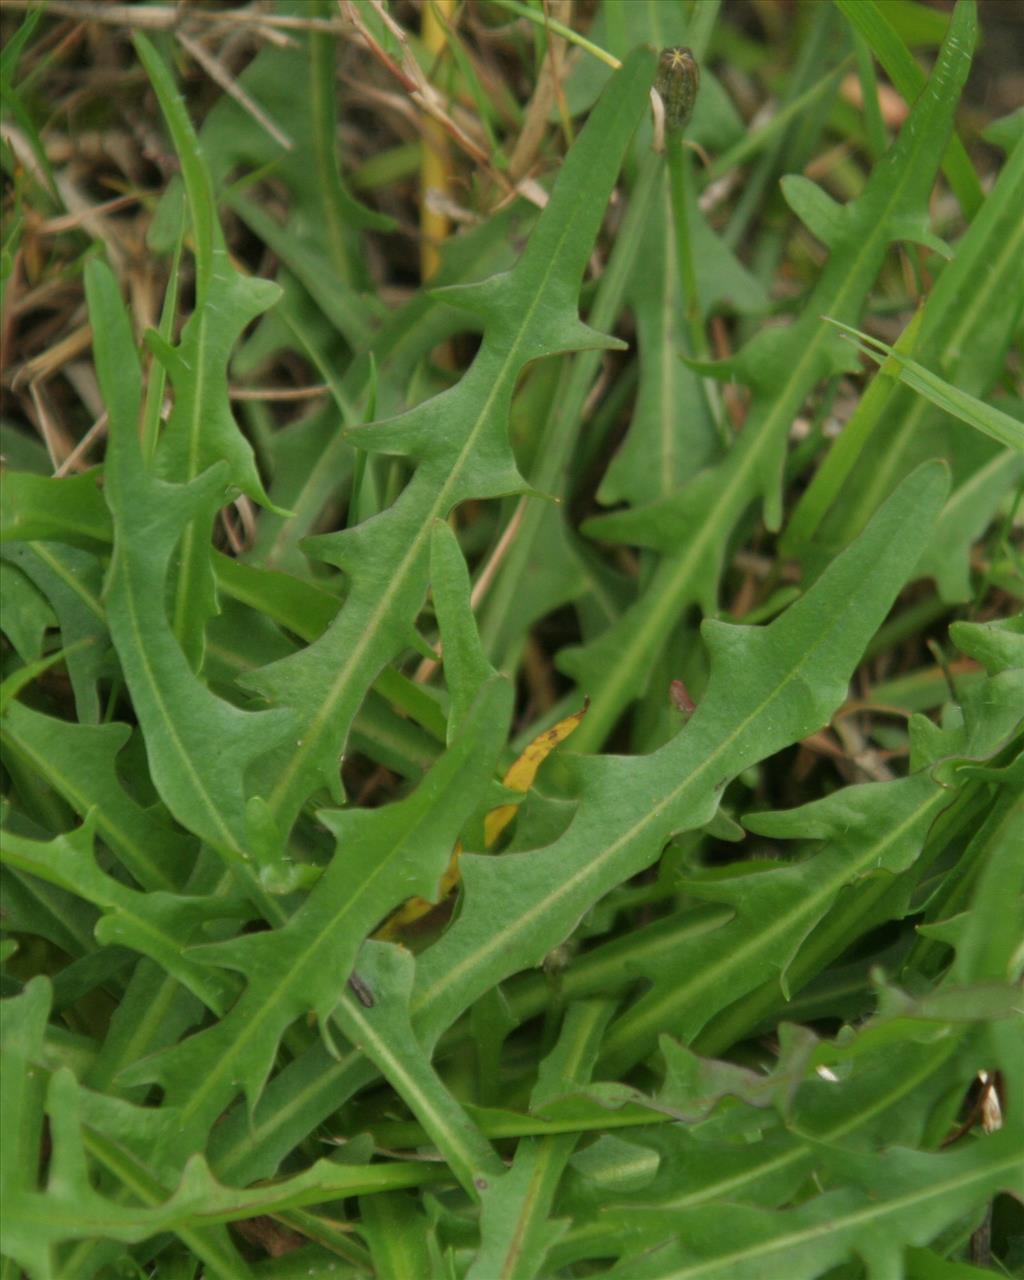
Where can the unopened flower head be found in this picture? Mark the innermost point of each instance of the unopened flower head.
(677, 82)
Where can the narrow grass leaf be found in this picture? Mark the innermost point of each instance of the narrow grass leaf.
(692, 528)
(976, 413)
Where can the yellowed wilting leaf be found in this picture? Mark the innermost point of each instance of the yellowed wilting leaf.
(521, 772)
(519, 776)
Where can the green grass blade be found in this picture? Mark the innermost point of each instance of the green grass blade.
(958, 404)
(694, 526)
(869, 18)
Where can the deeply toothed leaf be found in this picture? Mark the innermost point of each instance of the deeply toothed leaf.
(460, 441)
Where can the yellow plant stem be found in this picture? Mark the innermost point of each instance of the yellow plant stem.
(435, 161)
(518, 777)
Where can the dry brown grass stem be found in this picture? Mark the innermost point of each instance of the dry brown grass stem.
(222, 76)
(435, 151)
(93, 220)
(46, 364)
(241, 537)
(72, 221)
(25, 155)
(171, 17)
(75, 459)
(81, 375)
(278, 393)
(409, 74)
(483, 582)
(429, 666)
(868, 759)
(535, 121)
(58, 443)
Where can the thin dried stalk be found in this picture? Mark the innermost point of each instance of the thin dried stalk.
(171, 17)
(220, 74)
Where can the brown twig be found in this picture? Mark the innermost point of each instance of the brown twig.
(416, 84)
(220, 75)
(278, 393)
(435, 151)
(44, 365)
(72, 221)
(171, 17)
(58, 444)
(96, 432)
(428, 666)
(535, 120)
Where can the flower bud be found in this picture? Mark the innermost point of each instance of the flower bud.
(677, 82)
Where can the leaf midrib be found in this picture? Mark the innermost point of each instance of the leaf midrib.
(184, 587)
(73, 583)
(669, 599)
(131, 592)
(317, 726)
(848, 1220)
(594, 865)
(738, 956)
(887, 465)
(269, 1003)
(114, 833)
